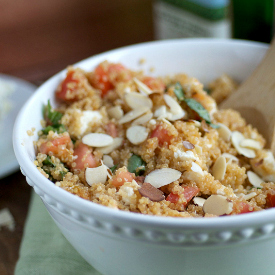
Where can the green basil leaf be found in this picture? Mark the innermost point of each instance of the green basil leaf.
(113, 168)
(178, 91)
(198, 108)
(48, 162)
(52, 116)
(136, 165)
(62, 174)
(58, 128)
(214, 126)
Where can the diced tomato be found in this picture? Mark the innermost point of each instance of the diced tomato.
(85, 157)
(68, 89)
(162, 135)
(53, 145)
(189, 192)
(173, 198)
(111, 129)
(105, 76)
(270, 200)
(121, 177)
(153, 83)
(241, 208)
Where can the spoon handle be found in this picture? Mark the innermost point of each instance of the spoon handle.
(255, 98)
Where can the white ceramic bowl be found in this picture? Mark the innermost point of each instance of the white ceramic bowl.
(117, 242)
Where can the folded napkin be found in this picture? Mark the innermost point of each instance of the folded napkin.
(44, 250)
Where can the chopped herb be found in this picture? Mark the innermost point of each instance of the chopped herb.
(214, 126)
(62, 174)
(59, 128)
(73, 140)
(48, 162)
(198, 108)
(52, 117)
(113, 168)
(207, 90)
(178, 91)
(136, 165)
(192, 103)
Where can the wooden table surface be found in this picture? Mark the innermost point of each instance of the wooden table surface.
(39, 38)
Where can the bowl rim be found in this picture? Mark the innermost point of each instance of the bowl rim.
(88, 208)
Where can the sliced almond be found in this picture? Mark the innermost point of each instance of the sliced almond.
(199, 201)
(133, 114)
(97, 140)
(149, 191)
(96, 175)
(250, 143)
(250, 196)
(143, 119)
(195, 122)
(108, 149)
(108, 161)
(144, 89)
(217, 205)
(137, 100)
(166, 121)
(196, 168)
(161, 177)
(219, 168)
(237, 138)
(173, 104)
(188, 145)
(254, 179)
(174, 117)
(136, 134)
(224, 132)
(115, 112)
(230, 157)
(161, 112)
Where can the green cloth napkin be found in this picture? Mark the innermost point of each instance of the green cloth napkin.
(44, 250)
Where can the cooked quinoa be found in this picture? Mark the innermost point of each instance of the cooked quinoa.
(157, 146)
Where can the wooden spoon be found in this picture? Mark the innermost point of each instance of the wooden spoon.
(255, 98)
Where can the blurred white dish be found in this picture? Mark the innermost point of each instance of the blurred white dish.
(21, 91)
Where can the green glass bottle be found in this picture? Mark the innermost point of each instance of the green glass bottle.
(253, 19)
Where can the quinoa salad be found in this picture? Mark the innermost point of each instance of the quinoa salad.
(153, 145)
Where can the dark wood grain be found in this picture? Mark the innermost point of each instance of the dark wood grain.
(39, 38)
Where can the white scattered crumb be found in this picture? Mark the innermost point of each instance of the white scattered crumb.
(141, 61)
(6, 219)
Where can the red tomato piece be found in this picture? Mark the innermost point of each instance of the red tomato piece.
(162, 135)
(241, 208)
(106, 75)
(153, 83)
(85, 157)
(189, 192)
(68, 89)
(121, 177)
(173, 198)
(270, 200)
(53, 145)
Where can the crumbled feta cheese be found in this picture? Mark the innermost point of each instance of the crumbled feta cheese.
(184, 155)
(87, 117)
(196, 168)
(126, 193)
